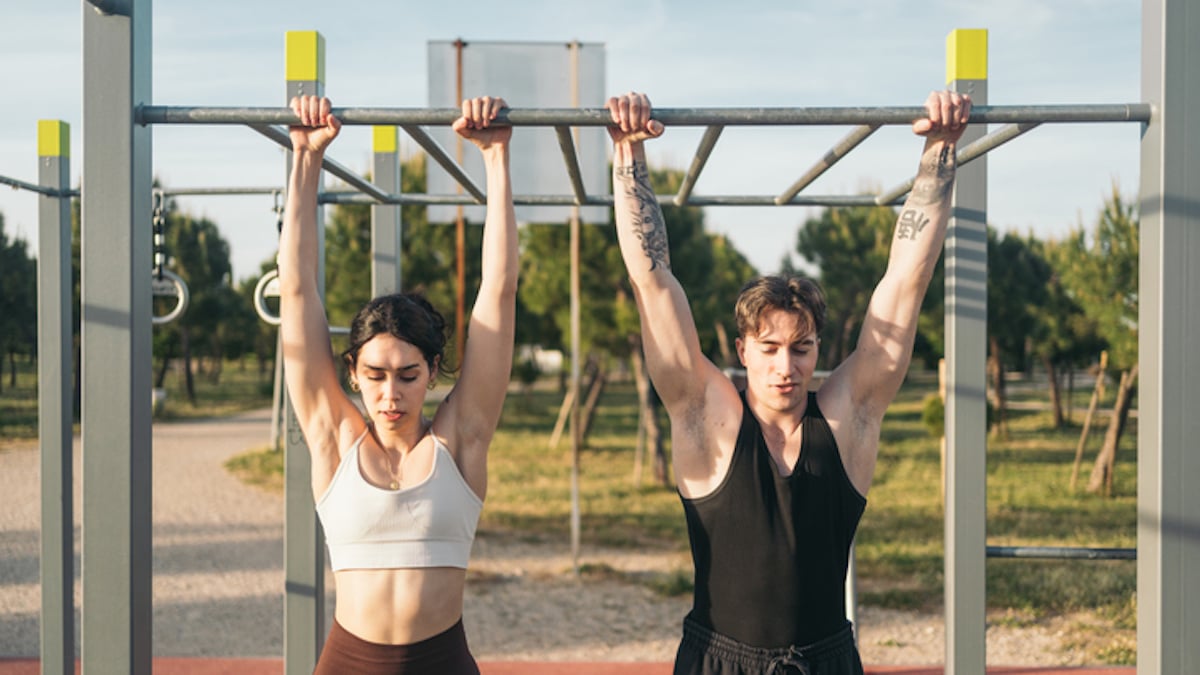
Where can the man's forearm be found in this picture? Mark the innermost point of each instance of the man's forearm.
(926, 210)
(641, 229)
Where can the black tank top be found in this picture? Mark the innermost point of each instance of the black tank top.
(771, 551)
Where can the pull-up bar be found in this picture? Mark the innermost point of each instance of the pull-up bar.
(598, 117)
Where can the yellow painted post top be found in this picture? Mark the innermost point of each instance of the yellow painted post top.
(966, 54)
(54, 138)
(305, 56)
(384, 137)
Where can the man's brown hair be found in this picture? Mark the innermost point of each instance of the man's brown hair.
(789, 293)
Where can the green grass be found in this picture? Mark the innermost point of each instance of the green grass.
(19, 404)
(240, 387)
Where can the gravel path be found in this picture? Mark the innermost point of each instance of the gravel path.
(218, 565)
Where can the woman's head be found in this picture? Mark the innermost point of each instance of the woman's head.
(789, 293)
(404, 316)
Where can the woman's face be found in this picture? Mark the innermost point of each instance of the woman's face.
(393, 377)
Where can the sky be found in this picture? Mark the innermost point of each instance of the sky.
(698, 53)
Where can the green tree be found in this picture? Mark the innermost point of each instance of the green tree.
(18, 301)
(1065, 338)
(1100, 272)
(1017, 279)
(200, 256)
(849, 247)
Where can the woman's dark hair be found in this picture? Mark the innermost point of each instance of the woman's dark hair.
(790, 293)
(405, 316)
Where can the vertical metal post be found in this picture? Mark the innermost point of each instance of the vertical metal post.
(966, 390)
(385, 218)
(460, 225)
(576, 427)
(55, 414)
(304, 542)
(116, 265)
(1168, 586)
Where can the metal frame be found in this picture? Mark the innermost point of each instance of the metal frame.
(117, 618)
(117, 56)
(55, 407)
(1169, 321)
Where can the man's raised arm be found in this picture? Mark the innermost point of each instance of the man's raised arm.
(874, 372)
(675, 362)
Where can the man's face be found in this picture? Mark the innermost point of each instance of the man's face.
(779, 360)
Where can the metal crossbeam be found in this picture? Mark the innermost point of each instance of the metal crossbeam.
(1062, 552)
(599, 117)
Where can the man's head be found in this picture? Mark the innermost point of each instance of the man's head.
(792, 294)
(779, 321)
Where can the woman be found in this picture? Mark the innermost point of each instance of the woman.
(398, 494)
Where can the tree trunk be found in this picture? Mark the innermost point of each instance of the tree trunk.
(1103, 469)
(648, 417)
(727, 359)
(997, 368)
(654, 440)
(161, 375)
(12, 370)
(185, 343)
(641, 384)
(843, 346)
(1097, 392)
(594, 388)
(1056, 406)
(1070, 407)
(564, 413)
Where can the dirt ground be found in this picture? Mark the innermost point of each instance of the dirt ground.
(525, 602)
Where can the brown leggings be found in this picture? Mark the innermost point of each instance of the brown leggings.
(445, 654)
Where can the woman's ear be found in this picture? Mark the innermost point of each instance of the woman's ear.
(434, 370)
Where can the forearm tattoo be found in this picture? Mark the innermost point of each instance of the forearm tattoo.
(932, 186)
(645, 214)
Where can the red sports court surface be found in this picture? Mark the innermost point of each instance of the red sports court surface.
(197, 666)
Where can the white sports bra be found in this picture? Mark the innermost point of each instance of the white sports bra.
(430, 524)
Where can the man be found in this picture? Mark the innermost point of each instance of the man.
(774, 480)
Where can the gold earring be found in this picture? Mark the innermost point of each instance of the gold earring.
(353, 385)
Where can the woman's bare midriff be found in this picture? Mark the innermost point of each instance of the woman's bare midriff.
(399, 606)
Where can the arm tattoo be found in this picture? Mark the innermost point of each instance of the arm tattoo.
(646, 215)
(910, 223)
(935, 177)
(932, 186)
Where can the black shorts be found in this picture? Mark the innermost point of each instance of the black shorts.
(706, 652)
(444, 654)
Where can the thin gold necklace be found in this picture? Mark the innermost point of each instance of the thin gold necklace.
(399, 472)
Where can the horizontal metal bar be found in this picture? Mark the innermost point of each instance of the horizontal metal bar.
(334, 197)
(282, 138)
(599, 117)
(218, 191)
(32, 187)
(439, 155)
(965, 155)
(707, 143)
(1062, 552)
(838, 151)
